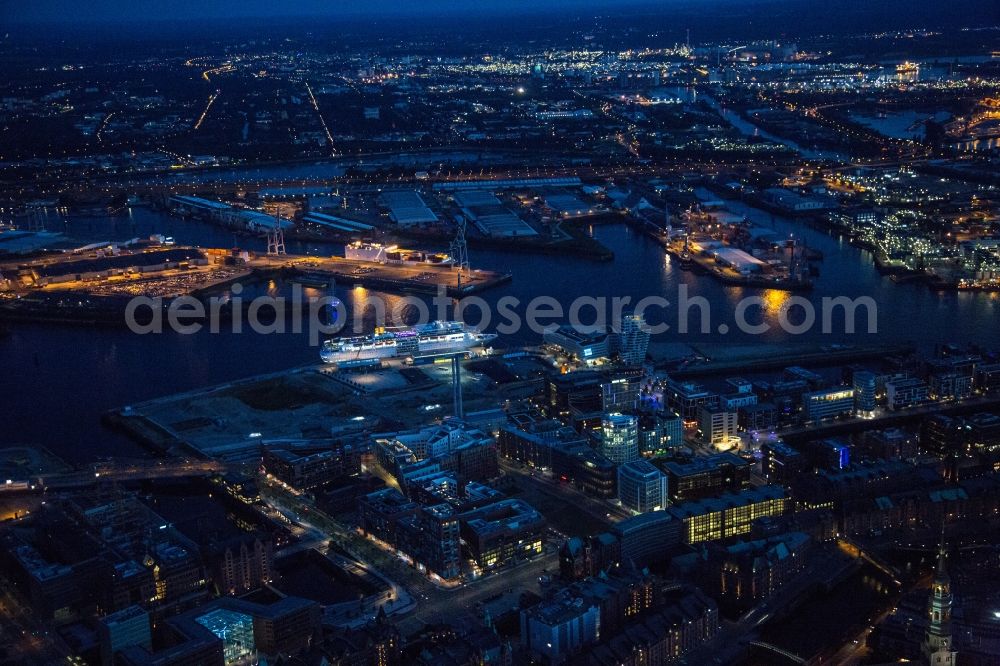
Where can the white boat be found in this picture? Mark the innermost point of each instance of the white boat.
(433, 339)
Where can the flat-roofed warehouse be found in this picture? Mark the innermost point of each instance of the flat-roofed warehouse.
(490, 215)
(407, 208)
(567, 204)
(738, 260)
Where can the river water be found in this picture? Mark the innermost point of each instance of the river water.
(59, 379)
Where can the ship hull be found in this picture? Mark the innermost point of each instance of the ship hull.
(433, 342)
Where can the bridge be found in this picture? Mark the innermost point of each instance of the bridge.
(850, 547)
(790, 656)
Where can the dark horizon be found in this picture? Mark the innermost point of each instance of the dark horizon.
(453, 28)
(145, 12)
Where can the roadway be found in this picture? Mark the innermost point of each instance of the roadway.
(432, 601)
(119, 472)
(23, 639)
(532, 480)
(466, 605)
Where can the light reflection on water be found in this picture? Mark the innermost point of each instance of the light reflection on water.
(67, 376)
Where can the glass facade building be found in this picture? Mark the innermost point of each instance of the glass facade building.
(235, 630)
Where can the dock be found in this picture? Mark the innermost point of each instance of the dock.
(413, 279)
(96, 288)
(708, 266)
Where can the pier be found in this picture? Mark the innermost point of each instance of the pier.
(96, 288)
(409, 278)
(694, 261)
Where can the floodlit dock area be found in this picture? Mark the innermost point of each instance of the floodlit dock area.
(418, 278)
(95, 286)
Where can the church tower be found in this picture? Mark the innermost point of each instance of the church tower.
(937, 647)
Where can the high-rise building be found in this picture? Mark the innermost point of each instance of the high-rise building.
(641, 486)
(620, 438)
(633, 340)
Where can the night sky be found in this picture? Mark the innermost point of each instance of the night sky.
(114, 10)
(93, 12)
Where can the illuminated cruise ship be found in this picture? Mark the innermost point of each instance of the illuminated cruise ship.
(435, 338)
(393, 254)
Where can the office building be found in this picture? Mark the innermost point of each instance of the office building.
(728, 515)
(641, 486)
(548, 444)
(307, 468)
(718, 426)
(578, 463)
(648, 537)
(242, 563)
(559, 628)
(663, 636)
(620, 391)
(906, 392)
(229, 631)
(660, 432)
(780, 463)
(501, 533)
(620, 438)
(379, 513)
(431, 538)
(589, 347)
(687, 399)
(890, 444)
(759, 417)
(706, 476)
(737, 400)
(576, 392)
(988, 377)
(814, 380)
(829, 454)
(865, 391)
(127, 627)
(827, 404)
(950, 386)
(751, 571)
